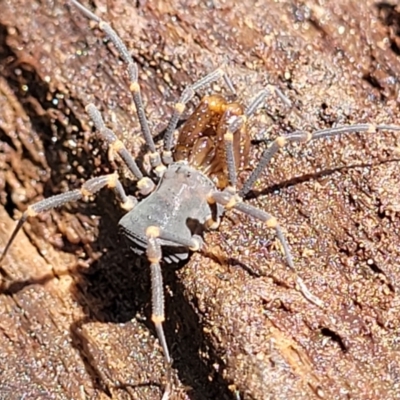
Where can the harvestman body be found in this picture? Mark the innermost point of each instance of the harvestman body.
(182, 192)
(196, 178)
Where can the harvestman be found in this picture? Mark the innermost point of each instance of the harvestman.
(196, 178)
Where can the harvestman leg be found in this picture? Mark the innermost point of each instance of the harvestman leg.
(145, 184)
(230, 199)
(133, 77)
(233, 200)
(90, 187)
(154, 255)
(179, 107)
(238, 122)
(304, 137)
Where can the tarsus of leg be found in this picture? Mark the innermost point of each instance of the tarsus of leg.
(303, 137)
(92, 186)
(133, 77)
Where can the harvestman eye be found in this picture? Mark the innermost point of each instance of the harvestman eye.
(196, 178)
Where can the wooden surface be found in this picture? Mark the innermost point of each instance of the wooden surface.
(74, 318)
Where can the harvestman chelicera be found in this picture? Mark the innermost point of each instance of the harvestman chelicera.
(196, 178)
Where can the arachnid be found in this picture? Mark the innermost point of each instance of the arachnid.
(193, 194)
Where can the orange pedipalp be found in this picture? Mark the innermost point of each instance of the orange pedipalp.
(201, 138)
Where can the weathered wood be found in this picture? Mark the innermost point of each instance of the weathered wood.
(74, 319)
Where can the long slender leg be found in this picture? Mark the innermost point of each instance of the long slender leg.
(153, 252)
(230, 200)
(303, 137)
(90, 187)
(239, 121)
(157, 298)
(145, 184)
(133, 77)
(180, 106)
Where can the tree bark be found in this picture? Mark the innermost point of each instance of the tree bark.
(75, 307)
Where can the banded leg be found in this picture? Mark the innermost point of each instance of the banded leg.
(304, 137)
(133, 77)
(239, 121)
(232, 200)
(180, 106)
(92, 186)
(145, 184)
(154, 255)
(157, 300)
(269, 91)
(230, 159)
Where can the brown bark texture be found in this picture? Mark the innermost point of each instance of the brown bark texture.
(75, 308)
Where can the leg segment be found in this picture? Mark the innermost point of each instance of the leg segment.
(303, 137)
(157, 299)
(154, 255)
(260, 98)
(145, 184)
(240, 121)
(90, 187)
(229, 200)
(133, 77)
(230, 159)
